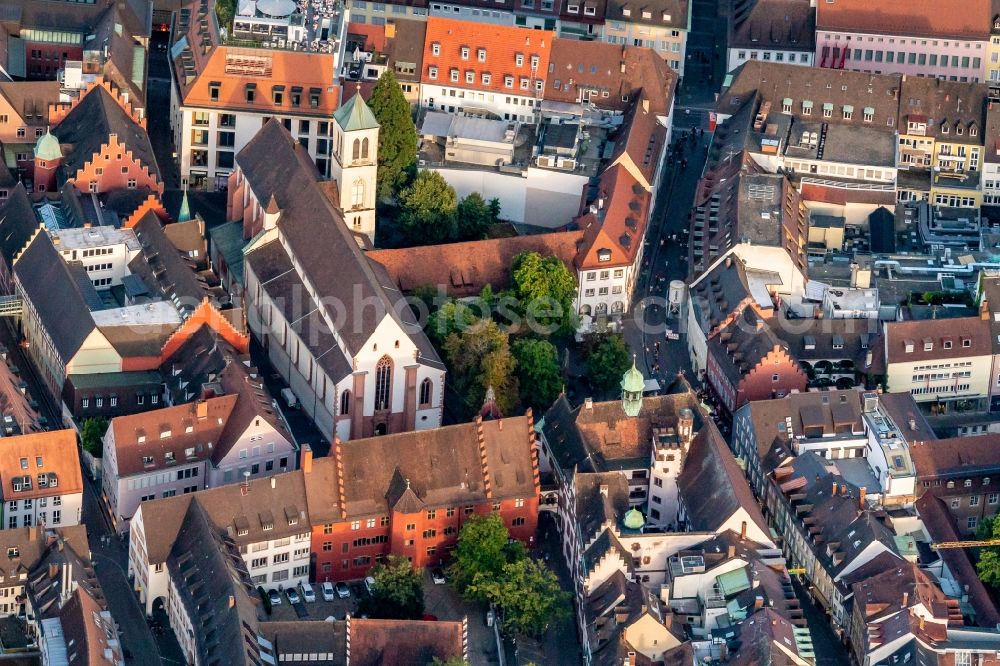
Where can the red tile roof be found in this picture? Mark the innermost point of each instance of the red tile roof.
(956, 455)
(967, 19)
(937, 332)
(615, 73)
(403, 641)
(500, 46)
(57, 452)
(619, 226)
(172, 430)
(463, 269)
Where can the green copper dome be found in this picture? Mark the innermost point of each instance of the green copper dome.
(633, 519)
(633, 381)
(47, 148)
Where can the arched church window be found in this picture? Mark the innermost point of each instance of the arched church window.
(345, 402)
(383, 380)
(356, 150)
(364, 148)
(426, 387)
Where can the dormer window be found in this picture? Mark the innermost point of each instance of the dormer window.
(165, 434)
(807, 107)
(946, 344)
(453, 74)
(470, 76)
(13, 552)
(908, 346)
(436, 48)
(973, 130)
(786, 105)
(626, 11)
(604, 255)
(646, 14)
(519, 59)
(959, 129)
(432, 72)
(481, 55)
(928, 344)
(486, 79)
(147, 461)
(535, 60)
(944, 129)
(966, 342)
(169, 457)
(24, 463)
(465, 53)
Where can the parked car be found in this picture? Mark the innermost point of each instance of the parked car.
(437, 575)
(327, 589)
(307, 592)
(293, 596)
(369, 585)
(274, 597)
(343, 590)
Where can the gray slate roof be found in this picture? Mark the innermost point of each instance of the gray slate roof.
(42, 272)
(328, 254)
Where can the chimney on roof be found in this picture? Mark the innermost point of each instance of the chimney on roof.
(306, 455)
(758, 603)
(834, 488)
(912, 422)
(984, 310)
(588, 403)
(202, 409)
(906, 599)
(861, 497)
(731, 552)
(232, 601)
(921, 623)
(843, 490)
(604, 489)
(743, 530)
(274, 483)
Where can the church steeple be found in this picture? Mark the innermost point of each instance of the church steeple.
(185, 212)
(633, 384)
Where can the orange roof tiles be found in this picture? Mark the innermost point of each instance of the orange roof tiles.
(966, 19)
(267, 70)
(615, 74)
(490, 53)
(52, 452)
(619, 226)
(465, 268)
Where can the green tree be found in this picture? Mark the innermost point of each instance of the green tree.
(537, 371)
(607, 360)
(92, 435)
(529, 594)
(474, 217)
(545, 290)
(988, 565)
(494, 209)
(452, 317)
(397, 135)
(398, 593)
(479, 357)
(429, 209)
(483, 548)
(225, 10)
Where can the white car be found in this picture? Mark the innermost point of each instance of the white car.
(307, 592)
(327, 590)
(369, 584)
(274, 597)
(343, 590)
(293, 596)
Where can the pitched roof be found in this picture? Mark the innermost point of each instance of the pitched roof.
(601, 498)
(616, 73)
(965, 19)
(959, 106)
(17, 223)
(52, 453)
(935, 333)
(254, 403)
(660, 13)
(355, 115)
(406, 46)
(89, 125)
(501, 44)
(170, 436)
(712, 484)
(31, 99)
(89, 627)
(774, 82)
(613, 236)
(41, 271)
(164, 269)
(600, 436)
(785, 24)
(940, 526)
(200, 60)
(956, 456)
(444, 468)
(212, 583)
(298, 637)
(377, 642)
(236, 508)
(275, 164)
(463, 269)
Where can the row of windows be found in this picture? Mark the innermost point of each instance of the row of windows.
(28, 504)
(592, 275)
(603, 291)
(43, 519)
(931, 390)
(140, 399)
(901, 57)
(778, 57)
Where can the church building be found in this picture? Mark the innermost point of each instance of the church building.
(333, 323)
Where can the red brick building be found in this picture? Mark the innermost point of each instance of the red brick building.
(747, 361)
(410, 493)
